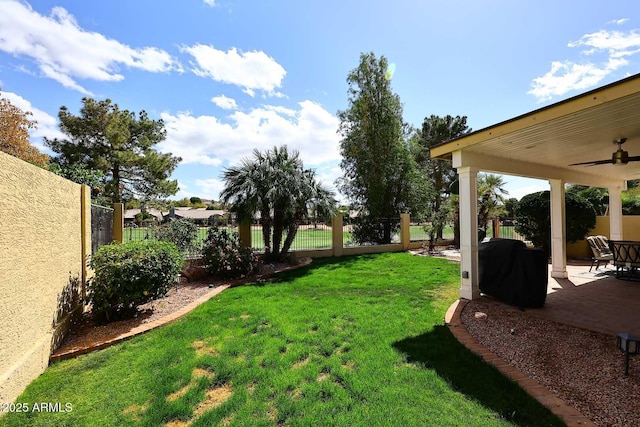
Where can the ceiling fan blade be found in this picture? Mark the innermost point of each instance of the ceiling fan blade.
(594, 162)
(634, 159)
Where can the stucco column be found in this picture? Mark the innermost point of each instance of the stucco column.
(615, 213)
(469, 285)
(558, 230)
(118, 222)
(337, 242)
(405, 230)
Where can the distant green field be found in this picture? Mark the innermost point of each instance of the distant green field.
(309, 238)
(306, 238)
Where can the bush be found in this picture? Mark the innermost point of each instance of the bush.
(144, 218)
(128, 275)
(533, 218)
(367, 230)
(181, 232)
(224, 256)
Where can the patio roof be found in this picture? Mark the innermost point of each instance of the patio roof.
(542, 143)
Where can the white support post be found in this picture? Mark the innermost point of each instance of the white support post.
(469, 285)
(558, 230)
(615, 213)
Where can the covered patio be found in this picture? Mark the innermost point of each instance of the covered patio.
(543, 144)
(595, 300)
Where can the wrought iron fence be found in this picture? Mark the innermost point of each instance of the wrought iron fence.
(508, 230)
(101, 227)
(419, 231)
(365, 231)
(308, 237)
(133, 232)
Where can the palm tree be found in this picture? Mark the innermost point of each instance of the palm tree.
(247, 191)
(276, 184)
(491, 194)
(307, 194)
(286, 172)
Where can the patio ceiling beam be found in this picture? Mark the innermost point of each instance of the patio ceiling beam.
(496, 164)
(583, 102)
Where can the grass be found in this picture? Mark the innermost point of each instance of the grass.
(354, 341)
(306, 238)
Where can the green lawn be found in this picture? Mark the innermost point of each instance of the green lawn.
(354, 341)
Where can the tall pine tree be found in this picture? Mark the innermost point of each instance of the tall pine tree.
(120, 145)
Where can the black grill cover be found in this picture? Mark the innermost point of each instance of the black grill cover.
(513, 273)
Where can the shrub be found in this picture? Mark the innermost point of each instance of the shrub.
(533, 218)
(223, 255)
(181, 232)
(128, 275)
(144, 218)
(367, 230)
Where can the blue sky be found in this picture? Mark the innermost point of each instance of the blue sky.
(229, 76)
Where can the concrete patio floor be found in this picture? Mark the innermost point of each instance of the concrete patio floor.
(595, 300)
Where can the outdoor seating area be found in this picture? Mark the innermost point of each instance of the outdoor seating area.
(599, 246)
(592, 300)
(626, 258)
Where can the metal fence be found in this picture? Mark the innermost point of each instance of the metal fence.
(508, 230)
(419, 231)
(133, 232)
(368, 231)
(101, 227)
(308, 237)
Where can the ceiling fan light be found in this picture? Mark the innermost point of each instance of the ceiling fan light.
(620, 158)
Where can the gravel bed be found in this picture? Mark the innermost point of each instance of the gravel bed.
(583, 368)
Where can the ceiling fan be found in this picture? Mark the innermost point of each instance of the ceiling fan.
(620, 157)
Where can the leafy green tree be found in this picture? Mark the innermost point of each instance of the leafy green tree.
(599, 197)
(631, 201)
(275, 184)
(120, 145)
(533, 219)
(14, 134)
(511, 207)
(436, 130)
(377, 164)
(81, 174)
(133, 204)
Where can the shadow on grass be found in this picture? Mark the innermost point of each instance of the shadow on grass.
(468, 374)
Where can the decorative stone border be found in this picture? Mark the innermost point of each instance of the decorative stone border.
(571, 416)
(146, 327)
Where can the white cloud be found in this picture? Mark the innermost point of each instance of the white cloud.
(616, 43)
(618, 21)
(47, 125)
(251, 71)
(211, 3)
(205, 139)
(519, 192)
(210, 188)
(65, 52)
(225, 102)
(613, 48)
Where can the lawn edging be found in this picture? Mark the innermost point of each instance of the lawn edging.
(568, 414)
(146, 327)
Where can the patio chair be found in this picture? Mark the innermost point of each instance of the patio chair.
(601, 252)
